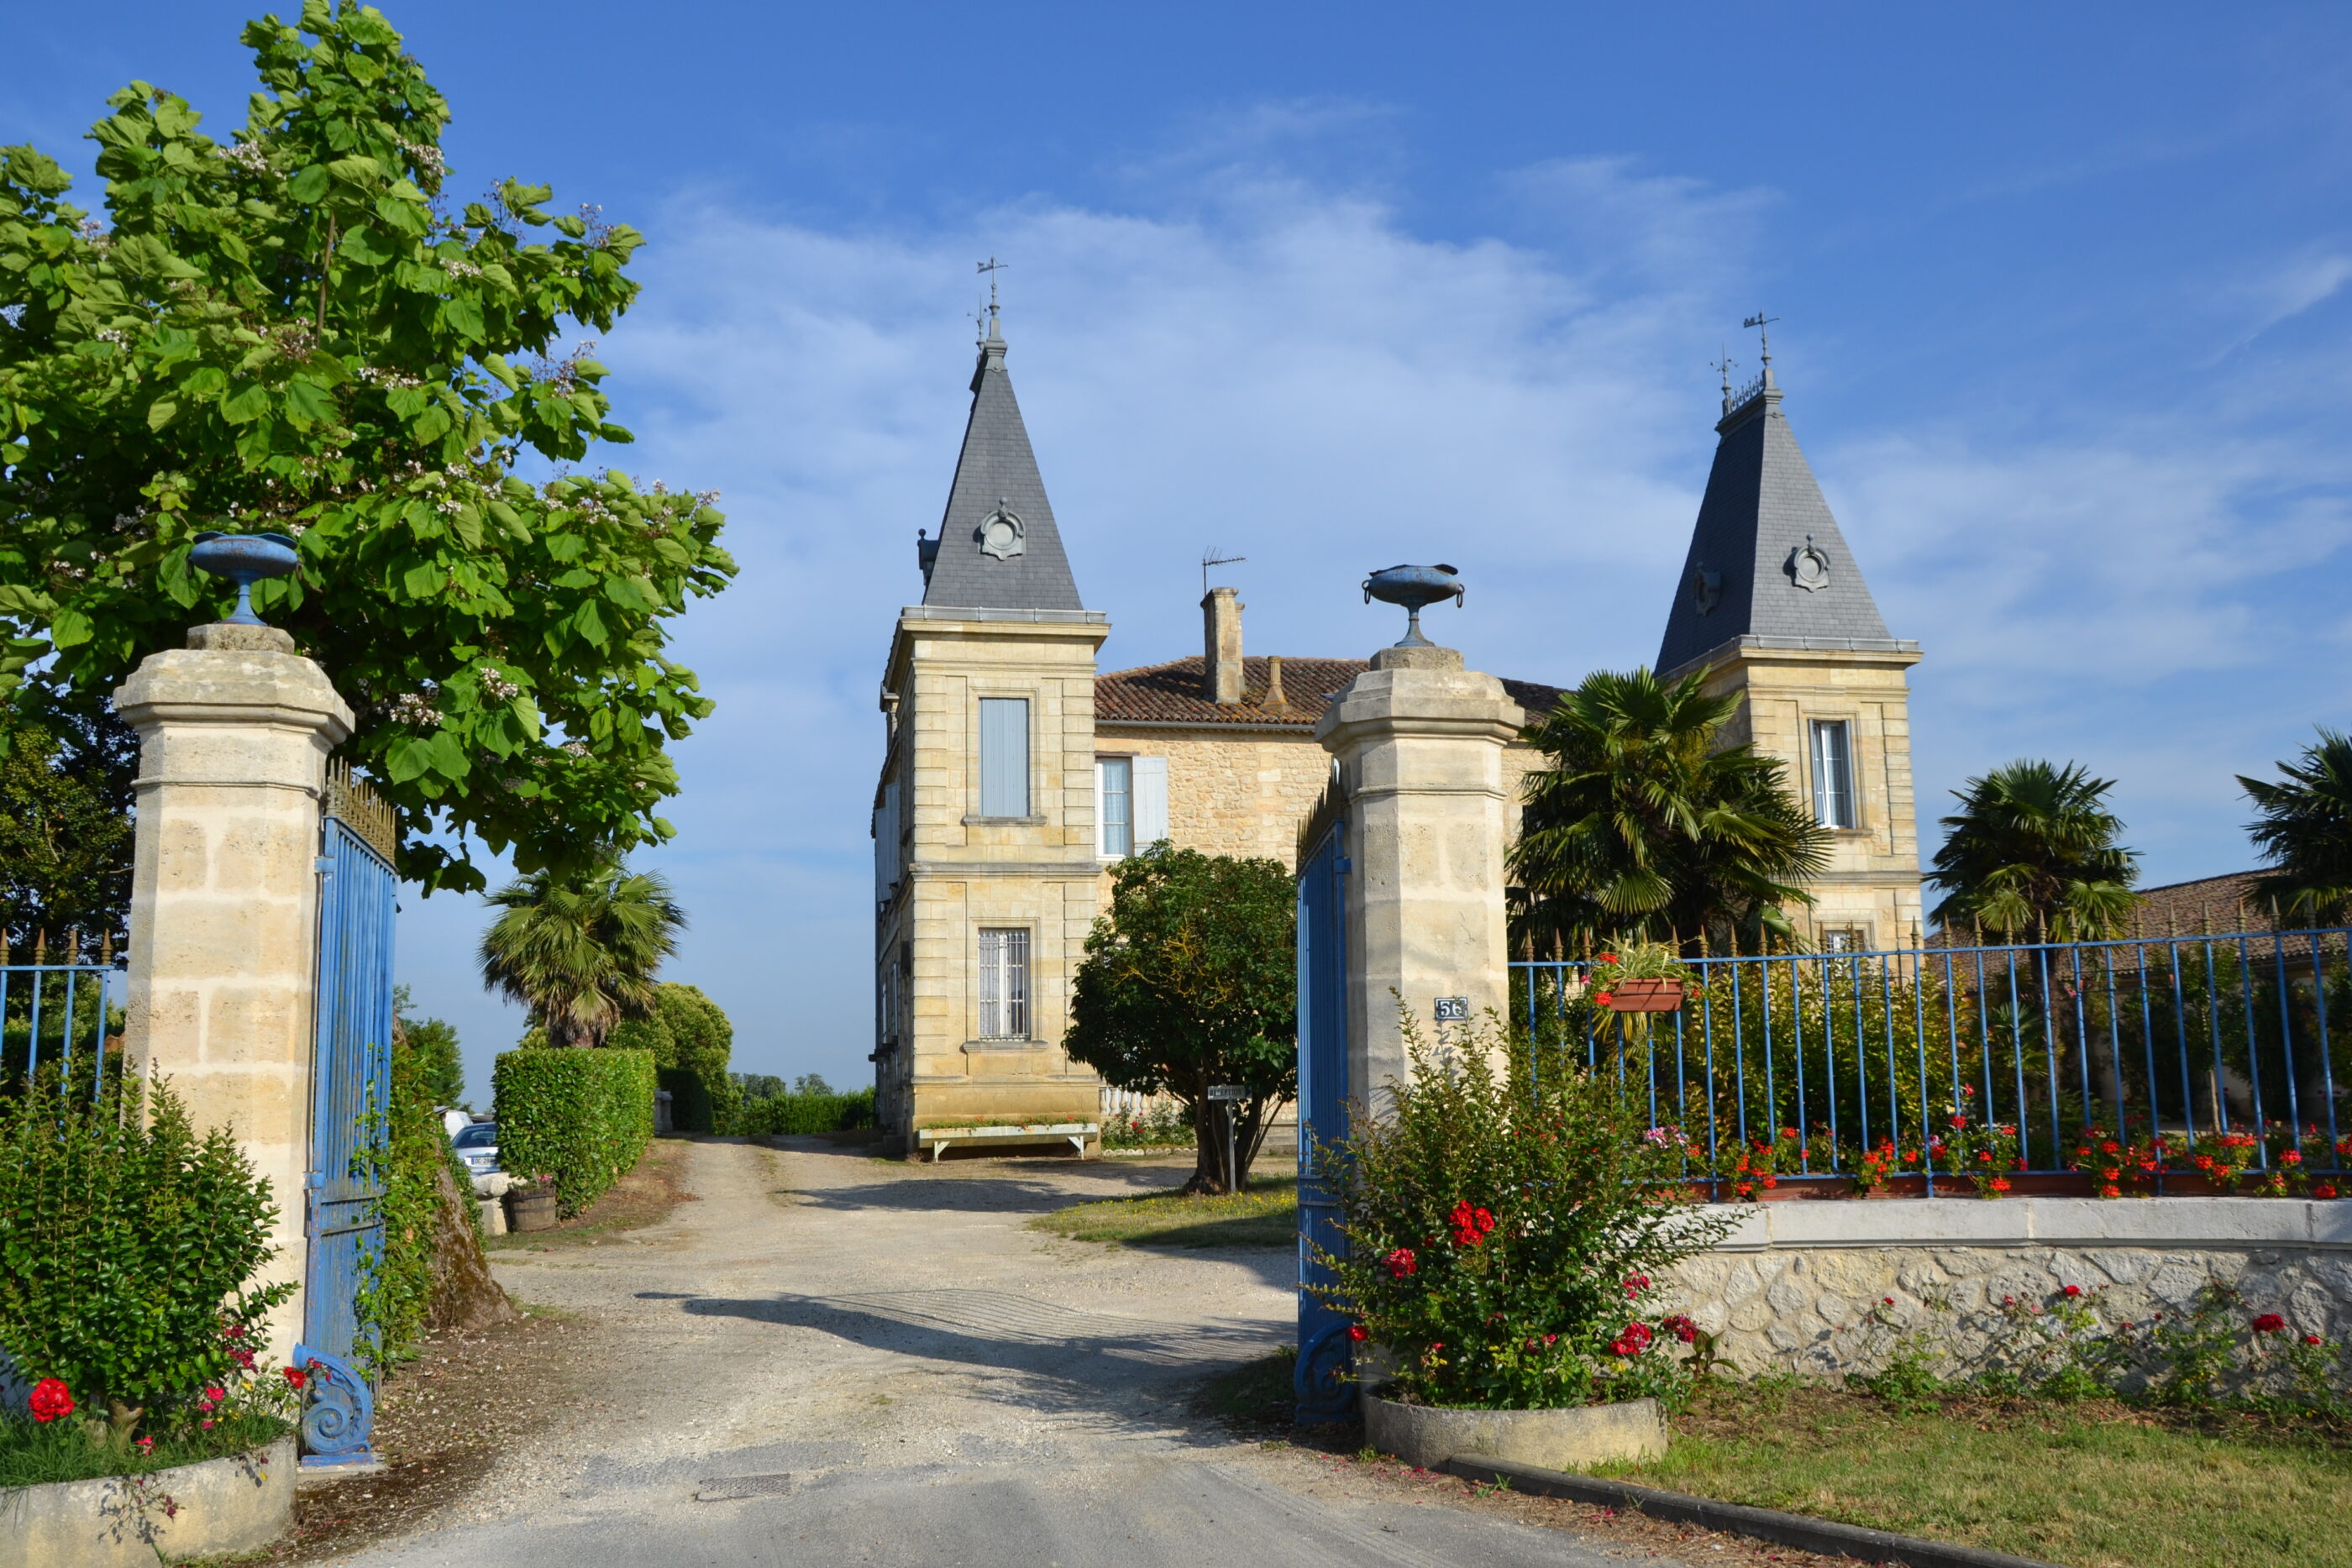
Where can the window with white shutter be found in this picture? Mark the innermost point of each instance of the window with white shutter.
(1833, 775)
(1004, 756)
(1151, 804)
(1115, 806)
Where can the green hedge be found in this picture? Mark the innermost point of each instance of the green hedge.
(786, 1113)
(582, 1116)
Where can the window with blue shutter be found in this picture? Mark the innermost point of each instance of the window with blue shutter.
(1004, 756)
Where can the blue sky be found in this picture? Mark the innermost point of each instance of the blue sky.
(2066, 337)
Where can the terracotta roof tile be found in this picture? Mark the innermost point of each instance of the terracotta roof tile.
(1170, 693)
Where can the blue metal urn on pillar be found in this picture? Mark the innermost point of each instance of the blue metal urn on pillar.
(245, 559)
(1413, 587)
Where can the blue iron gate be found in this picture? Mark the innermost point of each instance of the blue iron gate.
(350, 1094)
(1321, 1383)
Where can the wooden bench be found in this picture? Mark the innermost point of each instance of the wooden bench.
(1077, 1134)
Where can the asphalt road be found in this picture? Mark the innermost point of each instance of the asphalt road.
(830, 1359)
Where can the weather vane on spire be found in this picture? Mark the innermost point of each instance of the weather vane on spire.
(1724, 366)
(1763, 324)
(990, 267)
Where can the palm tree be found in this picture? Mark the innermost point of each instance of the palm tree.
(2033, 848)
(1644, 824)
(2303, 829)
(579, 951)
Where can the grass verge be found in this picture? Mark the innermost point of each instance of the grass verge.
(646, 1195)
(1260, 1215)
(2092, 1484)
(32, 1454)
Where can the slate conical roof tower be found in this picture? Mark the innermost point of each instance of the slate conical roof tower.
(998, 547)
(985, 875)
(1771, 605)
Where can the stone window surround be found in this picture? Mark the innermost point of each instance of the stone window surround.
(1030, 691)
(1850, 716)
(1027, 1040)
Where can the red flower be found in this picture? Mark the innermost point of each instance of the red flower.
(1606, 958)
(296, 1377)
(2111, 1191)
(1632, 1341)
(2001, 1184)
(1358, 1333)
(1635, 1284)
(244, 1358)
(1400, 1263)
(145, 1446)
(2313, 1339)
(1681, 1327)
(1602, 998)
(1471, 1226)
(2109, 1148)
(2292, 1157)
(51, 1399)
(2324, 1189)
(2270, 1323)
(2073, 1290)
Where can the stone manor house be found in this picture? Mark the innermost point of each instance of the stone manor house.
(1014, 772)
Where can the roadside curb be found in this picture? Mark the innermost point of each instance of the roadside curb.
(1822, 1535)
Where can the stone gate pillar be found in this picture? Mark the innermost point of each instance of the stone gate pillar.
(233, 732)
(1419, 743)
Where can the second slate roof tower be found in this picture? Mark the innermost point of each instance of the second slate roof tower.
(998, 547)
(1771, 605)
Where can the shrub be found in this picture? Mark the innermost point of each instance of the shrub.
(689, 1036)
(784, 1114)
(1504, 1228)
(394, 1300)
(578, 1117)
(129, 1250)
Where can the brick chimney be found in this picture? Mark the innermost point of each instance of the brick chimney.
(1221, 671)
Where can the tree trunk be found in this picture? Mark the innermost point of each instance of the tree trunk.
(1208, 1149)
(464, 1295)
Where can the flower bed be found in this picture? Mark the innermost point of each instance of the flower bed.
(238, 1503)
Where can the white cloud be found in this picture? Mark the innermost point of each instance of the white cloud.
(1286, 371)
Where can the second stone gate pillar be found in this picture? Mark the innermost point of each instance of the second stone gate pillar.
(1420, 742)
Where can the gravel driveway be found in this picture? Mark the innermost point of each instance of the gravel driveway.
(834, 1359)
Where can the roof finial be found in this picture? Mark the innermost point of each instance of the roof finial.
(1763, 324)
(990, 267)
(1724, 365)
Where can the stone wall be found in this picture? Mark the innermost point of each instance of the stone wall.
(1786, 1290)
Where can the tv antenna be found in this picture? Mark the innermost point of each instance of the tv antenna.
(1761, 321)
(1210, 558)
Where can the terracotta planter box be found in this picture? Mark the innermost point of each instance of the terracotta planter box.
(1559, 1439)
(222, 1507)
(531, 1211)
(1644, 996)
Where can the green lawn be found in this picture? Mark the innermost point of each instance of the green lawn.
(1264, 1214)
(2090, 1486)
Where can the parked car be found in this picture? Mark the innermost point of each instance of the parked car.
(477, 1147)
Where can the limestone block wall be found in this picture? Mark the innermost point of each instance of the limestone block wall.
(1873, 880)
(1238, 792)
(1782, 1288)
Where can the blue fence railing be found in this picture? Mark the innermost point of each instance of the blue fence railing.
(56, 1016)
(2203, 1063)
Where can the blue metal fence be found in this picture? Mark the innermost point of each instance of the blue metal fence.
(56, 1016)
(2175, 1063)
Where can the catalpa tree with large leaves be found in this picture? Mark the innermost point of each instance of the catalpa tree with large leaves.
(297, 331)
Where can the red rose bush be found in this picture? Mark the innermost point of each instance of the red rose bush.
(1503, 1231)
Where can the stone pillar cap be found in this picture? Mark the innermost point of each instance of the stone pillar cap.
(240, 637)
(233, 685)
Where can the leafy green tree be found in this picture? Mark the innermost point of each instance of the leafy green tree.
(1192, 981)
(812, 1083)
(2032, 851)
(299, 331)
(578, 950)
(1645, 824)
(686, 1032)
(2303, 826)
(752, 1086)
(438, 1065)
(64, 831)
